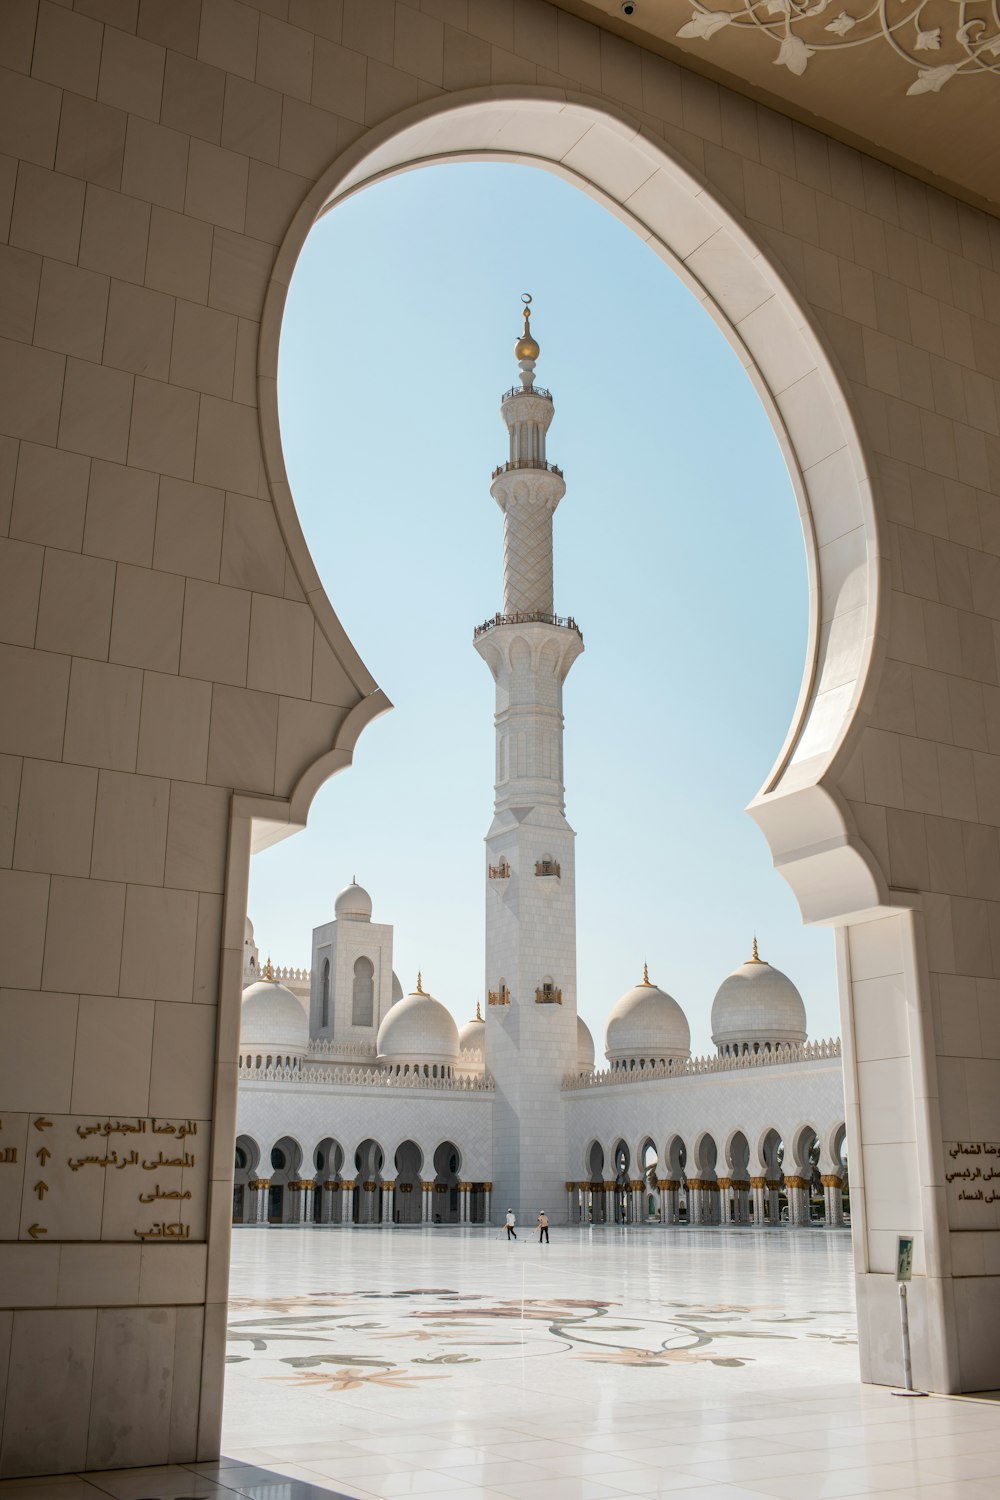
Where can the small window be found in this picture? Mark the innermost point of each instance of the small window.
(363, 1008)
(324, 1006)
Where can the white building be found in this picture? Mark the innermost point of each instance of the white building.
(362, 1105)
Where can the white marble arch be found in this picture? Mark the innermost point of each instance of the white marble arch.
(705, 241)
(813, 836)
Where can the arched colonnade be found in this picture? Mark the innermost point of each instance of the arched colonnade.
(752, 1179)
(373, 1184)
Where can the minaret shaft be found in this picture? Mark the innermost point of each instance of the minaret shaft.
(531, 1028)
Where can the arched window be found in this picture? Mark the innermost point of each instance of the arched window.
(324, 1004)
(363, 1010)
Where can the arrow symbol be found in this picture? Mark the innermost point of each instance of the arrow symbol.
(42, 1123)
(41, 1188)
(36, 1229)
(43, 1155)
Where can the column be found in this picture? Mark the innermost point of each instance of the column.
(694, 1200)
(773, 1185)
(797, 1189)
(741, 1199)
(260, 1186)
(572, 1210)
(388, 1189)
(758, 1188)
(609, 1202)
(722, 1199)
(427, 1190)
(347, 1200)
(833, 1191)
(464, 1188)
(302, 1200)
(487, 1193)
(669, 1190)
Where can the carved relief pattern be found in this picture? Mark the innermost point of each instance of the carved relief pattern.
(942, 39)
(527, 558)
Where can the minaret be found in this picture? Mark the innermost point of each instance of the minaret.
(531, 1028)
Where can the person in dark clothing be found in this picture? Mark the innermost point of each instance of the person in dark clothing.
(510, 1221)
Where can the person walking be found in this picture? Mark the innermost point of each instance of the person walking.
(510, 1221)
(543, 1227)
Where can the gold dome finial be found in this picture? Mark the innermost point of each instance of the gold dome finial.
(755, 957)
(526, 347)
(479, 1015)
(268, 970)
(420, 983)
(645, 976)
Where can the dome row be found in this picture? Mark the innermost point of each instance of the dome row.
(756, 1008)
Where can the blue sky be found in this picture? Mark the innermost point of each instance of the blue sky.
(678, 549)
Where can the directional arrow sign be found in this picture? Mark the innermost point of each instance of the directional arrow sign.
(36, 1229)
(43, 1155)
(41, 1188)
(42, 1123)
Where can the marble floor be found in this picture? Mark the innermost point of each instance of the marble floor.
(710, 1364)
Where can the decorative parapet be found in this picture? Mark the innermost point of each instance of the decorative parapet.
(500, 871)
(548, 994)
(498, 997)
(282, 972)
(747, 1063)
(366, 1078)
(547, 867)
(952, 39)
(363, 1050)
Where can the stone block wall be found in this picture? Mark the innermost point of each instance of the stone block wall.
(175, 683)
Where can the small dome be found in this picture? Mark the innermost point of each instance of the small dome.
(584, 1046)
(397, 988)
(248, 932)
(757, 1006)
(418, 1029)
(647, 1024)
(273, 1018)
(353, 904)
(526, 348)
(472, 1036)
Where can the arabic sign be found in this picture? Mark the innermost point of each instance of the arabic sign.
(972, 1175)
(103, 1178)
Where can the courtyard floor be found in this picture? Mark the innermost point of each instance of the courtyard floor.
(709, 1364)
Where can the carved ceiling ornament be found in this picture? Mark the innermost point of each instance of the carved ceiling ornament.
(942, 39)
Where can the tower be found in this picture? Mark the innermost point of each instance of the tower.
(531, 1028)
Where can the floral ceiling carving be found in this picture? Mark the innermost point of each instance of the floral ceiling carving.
(940, 39)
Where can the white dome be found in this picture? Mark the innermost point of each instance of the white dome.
(418, 1029)
(647, 1025)
(273, 1018)
(353, 904)
(584, 1047)
(757, 1005)
(472, 1036)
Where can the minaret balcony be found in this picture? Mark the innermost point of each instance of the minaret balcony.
(500, 871)
(528, 617)
(498, 997)
(531, 390)
(548, 994)
(527, 463)
(547, 867)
